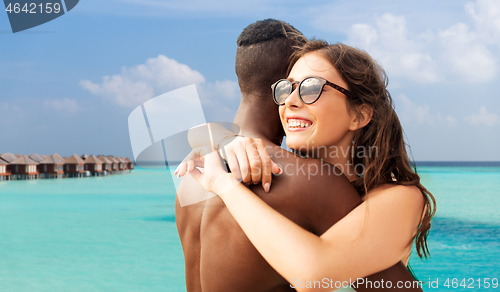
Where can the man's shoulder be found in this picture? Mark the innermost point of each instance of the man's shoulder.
(308, 173)
(313, 190)
(189, 203)
(191, 193)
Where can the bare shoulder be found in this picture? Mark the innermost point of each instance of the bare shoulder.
(308, 172)
(314, 182)
(312, 193)
(407, 197)
(189, 204)
(191, 195)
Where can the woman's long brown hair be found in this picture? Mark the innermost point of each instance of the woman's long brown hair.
(384, 158)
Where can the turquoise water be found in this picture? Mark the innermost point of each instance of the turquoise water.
(465, 236)
(114, 233)
(118, 233)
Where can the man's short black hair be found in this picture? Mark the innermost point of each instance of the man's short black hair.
(263, 55)
(268, 29)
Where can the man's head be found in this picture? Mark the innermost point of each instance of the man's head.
(262, 57)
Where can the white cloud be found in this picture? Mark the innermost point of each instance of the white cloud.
(122, 91)
(163, 73)
(139, 83)
(436, 55)
(398, 51)
(338, 16)
(451, 120)
(486, 16)
(220, 100)
(482, 118)
(226, 89)
(467, 54)
(411, 113)
(65, 105)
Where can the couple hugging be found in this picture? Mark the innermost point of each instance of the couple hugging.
(351, 222)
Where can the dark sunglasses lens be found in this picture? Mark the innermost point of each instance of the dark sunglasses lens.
(310, 89)
(282, 90)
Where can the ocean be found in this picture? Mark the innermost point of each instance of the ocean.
(465, 236)
(118, 233)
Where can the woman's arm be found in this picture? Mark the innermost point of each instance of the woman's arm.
(373, 237)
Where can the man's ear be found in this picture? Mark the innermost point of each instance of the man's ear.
(363, 118)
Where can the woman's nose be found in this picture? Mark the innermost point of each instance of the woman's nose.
(293, 100)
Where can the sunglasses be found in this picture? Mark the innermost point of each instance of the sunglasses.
(310, 89)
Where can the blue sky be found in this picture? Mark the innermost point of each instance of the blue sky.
(69, 85)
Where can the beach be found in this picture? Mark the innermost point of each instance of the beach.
(118, 233)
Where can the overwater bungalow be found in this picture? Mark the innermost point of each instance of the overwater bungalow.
(8, 157)
(74, 166)
(37, 166)
(125, 164)
(130, 164)
(58, 156)
(94, 165)
(51, 167)
(114, 164)
(119, 164)
(23, 168)
(4, 173)
(122, 165)
(106, 164)
(36, 157)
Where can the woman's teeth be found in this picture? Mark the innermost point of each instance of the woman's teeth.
(298, 123)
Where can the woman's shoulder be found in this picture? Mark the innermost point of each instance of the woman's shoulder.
(410, 196)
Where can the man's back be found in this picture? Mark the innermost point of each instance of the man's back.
(308, 193)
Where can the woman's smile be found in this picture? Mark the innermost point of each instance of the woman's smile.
(296, 124)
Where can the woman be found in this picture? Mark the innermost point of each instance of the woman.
(335, 106)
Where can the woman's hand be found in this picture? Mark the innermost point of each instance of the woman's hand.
(246, 157)
(249, 160)
(213, 178)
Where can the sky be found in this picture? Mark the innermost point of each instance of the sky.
(68, 86)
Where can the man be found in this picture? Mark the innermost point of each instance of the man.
(218, 255)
